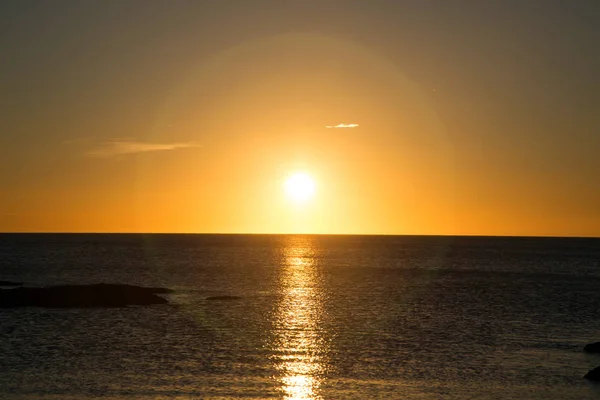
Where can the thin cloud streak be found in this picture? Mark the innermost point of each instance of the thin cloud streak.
(338, 126)
(119, 147)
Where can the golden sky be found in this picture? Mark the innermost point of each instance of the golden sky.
(190, 119)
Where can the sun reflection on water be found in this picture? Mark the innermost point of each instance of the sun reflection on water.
(298, 342)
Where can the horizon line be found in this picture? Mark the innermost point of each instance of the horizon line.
(296, 234)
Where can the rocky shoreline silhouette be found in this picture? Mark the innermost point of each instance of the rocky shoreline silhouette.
(82, 296)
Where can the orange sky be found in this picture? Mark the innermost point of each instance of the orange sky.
(166, 138)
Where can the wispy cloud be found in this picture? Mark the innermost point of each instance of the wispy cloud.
(342, 126)
(123, 147)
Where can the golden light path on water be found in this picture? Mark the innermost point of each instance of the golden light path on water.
(298, 343)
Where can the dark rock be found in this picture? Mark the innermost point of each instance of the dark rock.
(223, 298)
(10, 283)
(593, 375)
(81, 296)
(155, 290)
(592, 348)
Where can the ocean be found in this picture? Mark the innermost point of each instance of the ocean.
(318, 317)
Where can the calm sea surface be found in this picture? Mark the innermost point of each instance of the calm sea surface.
(320, 317)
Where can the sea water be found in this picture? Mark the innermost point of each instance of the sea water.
(318, 317)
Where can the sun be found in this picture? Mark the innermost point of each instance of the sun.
(299, 187)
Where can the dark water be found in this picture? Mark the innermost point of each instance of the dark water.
(320, 317)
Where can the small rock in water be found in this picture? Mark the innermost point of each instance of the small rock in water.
(592, 348)
(593, 374)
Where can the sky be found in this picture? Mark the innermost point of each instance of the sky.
(411, 117)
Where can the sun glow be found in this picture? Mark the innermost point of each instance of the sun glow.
(299, 187)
